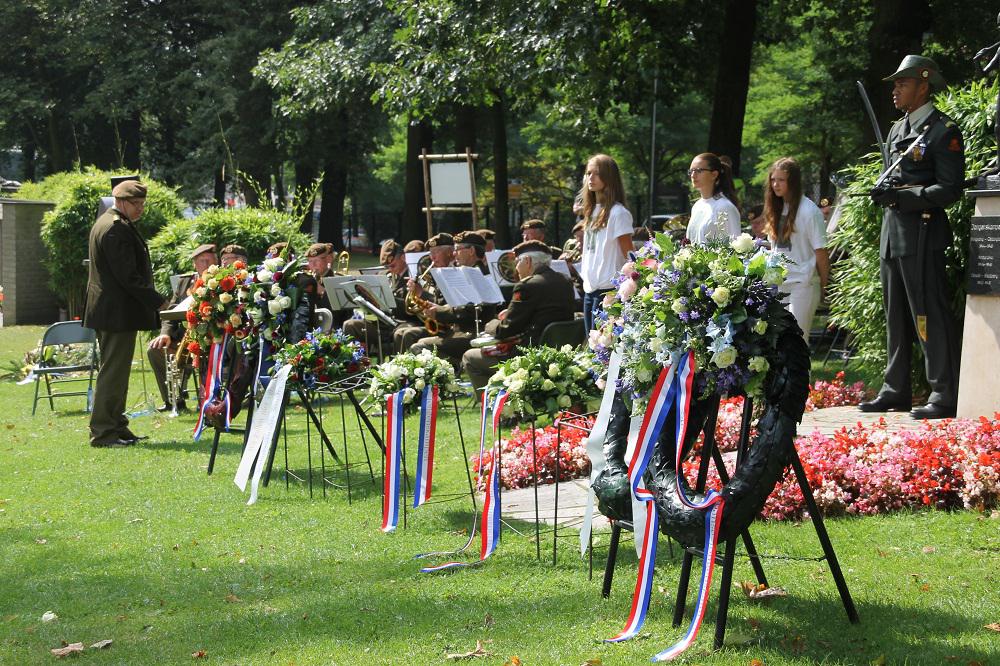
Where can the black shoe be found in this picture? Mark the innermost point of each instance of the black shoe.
(181, 407)
(131, 436)
(883, 404)
(932, 411)
(113, 443)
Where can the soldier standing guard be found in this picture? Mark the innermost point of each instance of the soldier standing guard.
(928, 177)
(121, 300)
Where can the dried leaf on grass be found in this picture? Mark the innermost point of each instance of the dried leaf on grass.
(513, 661)
(100, 645)
(200, 654)
(48, 616)
(478, 652)
(992, 627)
(72, 648)
(232, 598)
(759, 592)
(928, 549)
(596, 661)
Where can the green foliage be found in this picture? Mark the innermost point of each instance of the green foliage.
(66, 228)
(856, 293)
(253, 228)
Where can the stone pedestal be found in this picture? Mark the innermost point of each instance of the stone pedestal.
(27, 297)
(979, 383)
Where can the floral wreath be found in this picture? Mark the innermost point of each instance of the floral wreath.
(321, 358)
(216, 309)
(412, 373)
(271, 296)
(545, 380)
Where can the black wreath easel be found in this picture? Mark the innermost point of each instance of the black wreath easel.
(758, 469)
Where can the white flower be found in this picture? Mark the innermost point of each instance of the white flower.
(256, 314)
(678, 306)
(564, 401)
(243, 294)
(225, 297)
(200, 292)
(774, 275)
(274, 307)
(516, 386)
(758, 364)
(212, 284)
(286, 302)
(273, 264)
(566, 349)
(264, 276)
(276, 289)
(548, 385)
(682, 257)
(760, 327)
(553, 370)
(742, 243)
(724, 358)
(235, 320)
(212, 270)
(408, 394)
(643, 375)
(655, 345)
(721, 296)
(419, 372)
(419, 384)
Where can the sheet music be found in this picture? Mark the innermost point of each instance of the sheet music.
(560, 266)
(179, 311)
(412, 259)
(340, 291)
(465, 285)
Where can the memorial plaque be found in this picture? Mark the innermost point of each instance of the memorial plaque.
(984, 256)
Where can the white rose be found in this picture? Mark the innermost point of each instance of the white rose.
(419, 384)
(678, 306)
(235, 320)
(681, 258)
(225, 297)
(758, 364)
(548, 385)
(553, 370)
(516, 386)
(419, 372)
(564, 401)
(721, 296)
(724, 358)
(212, 270)
(643, 375)
(272, 264)
(286, 302)
(263, 276)
(274, 307)
(742, 243)
(200, 292)
(408, 395)
(276, 289)
(655, 345)
(760, 327)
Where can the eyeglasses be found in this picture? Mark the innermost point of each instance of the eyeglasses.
(691, 172)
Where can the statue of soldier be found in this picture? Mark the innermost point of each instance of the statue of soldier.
(915, 234)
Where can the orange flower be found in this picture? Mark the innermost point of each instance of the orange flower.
(238, 265)
(194, 348)
(227, 283)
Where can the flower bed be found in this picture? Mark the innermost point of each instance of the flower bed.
(866, 470)
(518, 464)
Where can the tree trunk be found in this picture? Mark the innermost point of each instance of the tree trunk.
(305, 175)
(732, 82)
(897, 29)
(131, 142)
(418, 136)
(219, 191)
(501, 224)
(279, 186)
(28, 151)
(331, 215)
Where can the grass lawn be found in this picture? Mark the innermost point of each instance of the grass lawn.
(140, 546)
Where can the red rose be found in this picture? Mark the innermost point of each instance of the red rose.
(194, 348)
(198, 283)
(227, 283)
(192, 317)
(277, 275)
(205, 308)
(320, 362)
(239, 265)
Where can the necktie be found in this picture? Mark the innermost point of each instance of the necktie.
(906, 125)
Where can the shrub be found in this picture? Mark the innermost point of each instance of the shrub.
(253, 228)
(66, 228)
(856, 292)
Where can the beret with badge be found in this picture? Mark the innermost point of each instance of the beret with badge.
(533, 224)
(414, 246)
(317, 249)
(440, 240)
(202, 249)
(531, 246)
(233, 248)
(390, 250)
(129, 189)
(470, 238)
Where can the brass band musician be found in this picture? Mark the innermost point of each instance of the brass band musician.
(541, 296)
(534, 230)
(393, 259)
(441, 248)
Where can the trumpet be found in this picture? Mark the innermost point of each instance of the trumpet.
(343, 263)
(175, 373)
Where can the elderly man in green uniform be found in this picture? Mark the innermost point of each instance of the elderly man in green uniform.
(534, 230)
(393, 259)
(915, 233)
(441, 249)
(541, 296)
(121, 300)
(459, 323)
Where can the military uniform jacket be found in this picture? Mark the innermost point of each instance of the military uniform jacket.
(539, 299)
(464, 316)
(120, 292)
(931, 177)
(173, 328)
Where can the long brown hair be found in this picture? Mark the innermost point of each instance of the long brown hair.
(612, 193)
(774, 205)
(724, 183)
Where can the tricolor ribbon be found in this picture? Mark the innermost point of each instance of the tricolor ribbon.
(425, 446)
(213, 387)
(393, 459)
(490, 523)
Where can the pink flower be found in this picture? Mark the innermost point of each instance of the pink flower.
(627, 289)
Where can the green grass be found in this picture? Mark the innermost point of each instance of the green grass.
(141, 546)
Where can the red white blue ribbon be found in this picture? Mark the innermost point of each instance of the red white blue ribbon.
(712, 505)
(490, 523)
(425, 445)
(393, 459)
(213, 387)
(647, 522)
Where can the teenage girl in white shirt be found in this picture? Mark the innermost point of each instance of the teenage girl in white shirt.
(607, 234)
(716, 215)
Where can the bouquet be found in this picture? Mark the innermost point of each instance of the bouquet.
(545, 380)
(321, 358)
(271, 296)
(720, 300)
(414, 372)
(216, 309)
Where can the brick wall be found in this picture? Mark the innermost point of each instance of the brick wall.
(27, 298)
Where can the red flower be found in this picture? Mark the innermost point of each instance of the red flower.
(205, 309)
(198, 283)
(277, 275)
(320, 362)
(194, 348)
(239, 265)
(192, 317)
(227, 283)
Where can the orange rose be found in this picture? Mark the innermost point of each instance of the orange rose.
(227, 283)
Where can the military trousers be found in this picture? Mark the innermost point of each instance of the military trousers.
(907, 283)
(480, 366)
(405, 336)
(376, 336)
(450, 346)
(108, 421)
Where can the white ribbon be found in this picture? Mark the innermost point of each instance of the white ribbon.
(595, 447)
(265, 421)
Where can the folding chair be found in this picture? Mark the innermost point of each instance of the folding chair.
(560, 333)
(58, 334)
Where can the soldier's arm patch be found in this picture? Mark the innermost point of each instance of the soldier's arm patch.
(516, 296)
(955, 145)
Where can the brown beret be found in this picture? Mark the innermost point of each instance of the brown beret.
(129, 189)
(531, 246)
(233, 248)
(277, 248)
(440, 240)
(487, 234)
(317, 249)
(414, 246)
(470, 238)
(533, 224)
(578, 227)
(640, 233)
(202, 249)
(390, 250)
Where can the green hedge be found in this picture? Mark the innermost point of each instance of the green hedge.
(253, 228)
(66, 228)
(856, 293)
